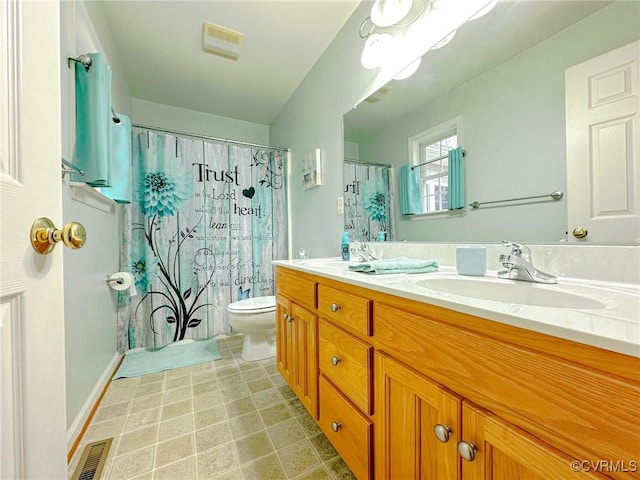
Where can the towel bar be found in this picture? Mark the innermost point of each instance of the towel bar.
(85, 60)
(557, 195)
(70, 168)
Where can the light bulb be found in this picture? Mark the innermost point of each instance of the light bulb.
(377, 49)
(385, 13)
(408, 71)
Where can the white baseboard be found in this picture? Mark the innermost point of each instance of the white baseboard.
(76, 427)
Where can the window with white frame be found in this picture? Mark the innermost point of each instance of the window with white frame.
(429, 154)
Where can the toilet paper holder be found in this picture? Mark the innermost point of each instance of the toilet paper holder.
(122, 281)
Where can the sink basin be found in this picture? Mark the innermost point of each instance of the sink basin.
(519, 293)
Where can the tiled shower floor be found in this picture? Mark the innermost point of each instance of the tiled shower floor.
(227, 419)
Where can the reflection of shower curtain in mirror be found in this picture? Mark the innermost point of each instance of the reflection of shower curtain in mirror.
(367, 201)
(205, 222)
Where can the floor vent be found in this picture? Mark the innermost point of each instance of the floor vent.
(92, 461)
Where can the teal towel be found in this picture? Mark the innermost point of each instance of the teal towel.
(396, 265)
(174, 355)
(121, 168)
(410, 201)
(456, 178)
(93, 114)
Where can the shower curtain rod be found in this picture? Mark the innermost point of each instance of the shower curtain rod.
(206, 137)
(362, 162)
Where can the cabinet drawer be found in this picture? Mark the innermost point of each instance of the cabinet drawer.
(346, 361)
(347, 429)
(350, 311)
(301, 290)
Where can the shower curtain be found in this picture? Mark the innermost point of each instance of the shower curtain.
(205, 222)
(367, 201)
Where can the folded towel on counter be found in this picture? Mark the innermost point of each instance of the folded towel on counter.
(395, 265)
(93, 114)
(121, 168)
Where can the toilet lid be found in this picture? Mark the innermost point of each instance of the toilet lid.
(257, 304)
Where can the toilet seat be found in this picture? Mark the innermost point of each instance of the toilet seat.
(253, 305)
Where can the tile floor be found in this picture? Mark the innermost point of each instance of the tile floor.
(227, 419)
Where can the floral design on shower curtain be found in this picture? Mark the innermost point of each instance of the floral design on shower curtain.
(205, 222)
(367, 201)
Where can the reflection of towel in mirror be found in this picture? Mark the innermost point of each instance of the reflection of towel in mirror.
(396, 265)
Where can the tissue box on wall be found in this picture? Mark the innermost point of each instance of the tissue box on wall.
(471, 260)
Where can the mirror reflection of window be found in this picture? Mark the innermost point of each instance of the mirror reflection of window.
(430, 151)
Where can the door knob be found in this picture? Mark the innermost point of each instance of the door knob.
(580, 232)
(44, 235)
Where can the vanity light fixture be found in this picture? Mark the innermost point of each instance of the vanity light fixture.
(398, 32)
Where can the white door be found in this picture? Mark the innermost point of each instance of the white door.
(32, 381)
(603, 148)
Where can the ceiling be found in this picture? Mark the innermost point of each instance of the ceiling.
(510, 28)
(160, 48)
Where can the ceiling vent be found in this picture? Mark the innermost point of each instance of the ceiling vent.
(222, 41)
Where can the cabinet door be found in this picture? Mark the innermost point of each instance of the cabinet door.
(409, 409)
(504, 452)
(284, 339)
(305, 357)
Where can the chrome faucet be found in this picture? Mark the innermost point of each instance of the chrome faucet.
(519, 265)
(363, 253)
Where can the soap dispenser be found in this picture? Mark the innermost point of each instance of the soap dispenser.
(344, 247)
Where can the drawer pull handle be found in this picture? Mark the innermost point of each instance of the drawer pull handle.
(335, 426)
(443, 432)
(335, 307)
(467, 450)
(335, 361)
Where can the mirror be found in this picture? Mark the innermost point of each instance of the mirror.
(503, 76)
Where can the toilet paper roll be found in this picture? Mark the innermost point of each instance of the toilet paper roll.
(122, 281)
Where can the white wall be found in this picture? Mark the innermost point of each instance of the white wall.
(90, 307)
(188, 121)
(312, 118)
(513, 121)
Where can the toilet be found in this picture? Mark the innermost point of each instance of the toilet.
(255, 318)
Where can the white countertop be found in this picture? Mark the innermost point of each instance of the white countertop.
(614, 326)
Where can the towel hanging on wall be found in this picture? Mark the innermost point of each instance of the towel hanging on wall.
(410, 202)
(121, 168)
(93, 116)
(456, 178)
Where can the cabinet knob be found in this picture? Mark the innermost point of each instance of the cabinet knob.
(335, 361)
(335, 307)
(335, 426)
(467, 450)
(443, 432)
(289, 318)
(285, 316)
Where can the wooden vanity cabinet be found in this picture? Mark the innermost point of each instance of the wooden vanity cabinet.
(297, 336)
(405, 390)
